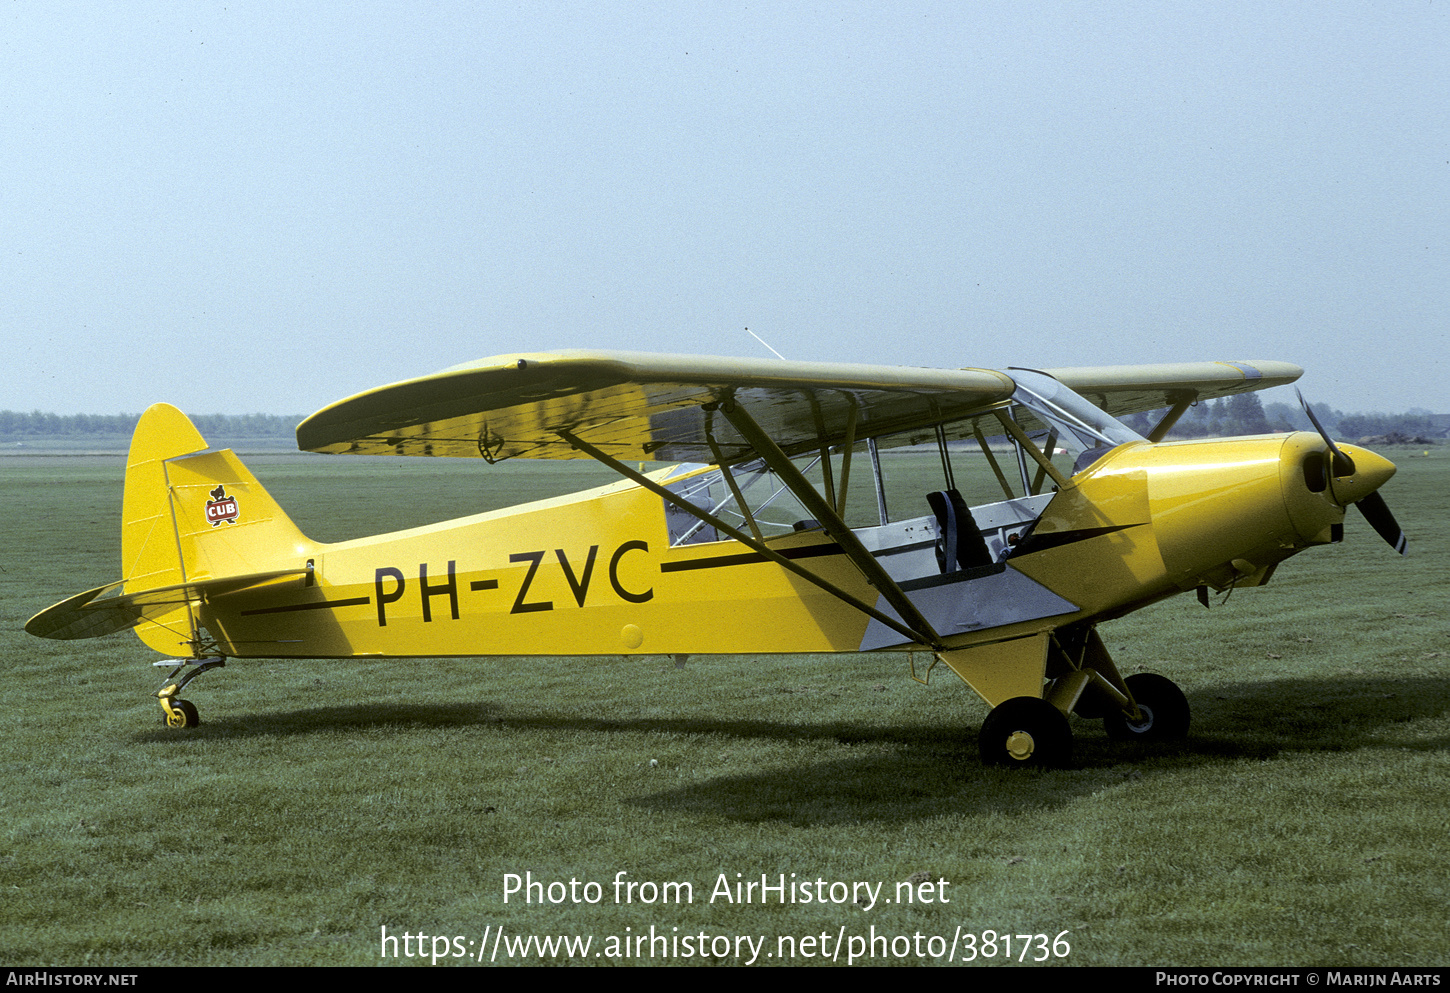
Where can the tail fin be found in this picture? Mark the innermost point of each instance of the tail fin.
(149, 553)
(191, 516)
(194, 523)
(226, 523)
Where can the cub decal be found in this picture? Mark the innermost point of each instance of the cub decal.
(221, 507)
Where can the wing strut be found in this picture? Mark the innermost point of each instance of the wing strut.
(1025, 444)
(846, 449)
(729, 476)
(826, 474)
(1181, 402)
(822, 510)
(752, 543)
(992, 460)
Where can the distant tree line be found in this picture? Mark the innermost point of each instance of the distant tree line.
(1227, 416)
(39, 424)
(1246, 414)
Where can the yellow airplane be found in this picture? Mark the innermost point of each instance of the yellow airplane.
(988, 520)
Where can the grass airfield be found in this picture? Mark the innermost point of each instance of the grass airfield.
(1303, 822)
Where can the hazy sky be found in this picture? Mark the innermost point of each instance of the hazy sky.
(243, 207)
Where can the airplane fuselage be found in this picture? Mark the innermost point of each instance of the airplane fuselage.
(595, 573)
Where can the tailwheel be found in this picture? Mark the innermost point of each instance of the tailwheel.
(1163, 708)
(180, 713)
(1026, 731)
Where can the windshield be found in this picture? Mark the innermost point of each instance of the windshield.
(1073, 417)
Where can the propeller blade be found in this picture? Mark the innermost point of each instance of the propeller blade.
(1377, 512)
(1339, 461)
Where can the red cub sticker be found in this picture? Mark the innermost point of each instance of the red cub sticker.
(221, 507)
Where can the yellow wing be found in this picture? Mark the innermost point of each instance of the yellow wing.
(1129, 389)
(639, 406)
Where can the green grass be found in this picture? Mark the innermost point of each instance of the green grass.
(1303, 821)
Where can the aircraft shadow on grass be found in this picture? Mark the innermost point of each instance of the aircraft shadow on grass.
(929, 770)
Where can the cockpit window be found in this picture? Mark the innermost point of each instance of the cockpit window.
(891, 477)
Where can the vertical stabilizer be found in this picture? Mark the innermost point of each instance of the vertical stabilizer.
(150, 554)
(190, 515)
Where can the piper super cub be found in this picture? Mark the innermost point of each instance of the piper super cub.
(991, 519)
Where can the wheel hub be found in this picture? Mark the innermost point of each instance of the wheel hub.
(1020, 745)
(1146, 724)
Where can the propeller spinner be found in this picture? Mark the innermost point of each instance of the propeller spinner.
(1358, 483)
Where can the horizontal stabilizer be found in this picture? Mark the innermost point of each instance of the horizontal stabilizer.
(77, 618)
(92, 613)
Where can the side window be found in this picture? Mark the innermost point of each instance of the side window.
(1018, 453)
(977, 457)
(773, 507)
(910, 467)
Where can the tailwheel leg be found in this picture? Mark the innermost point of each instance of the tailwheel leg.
(1026, 732)
(1162, 711)
(181, 713)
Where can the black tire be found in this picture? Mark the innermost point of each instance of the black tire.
(1164, 707)
(189, 715)
(1026, 732)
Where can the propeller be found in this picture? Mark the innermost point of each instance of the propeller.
(1371, 505)
(1342, 465)
(1377, 512)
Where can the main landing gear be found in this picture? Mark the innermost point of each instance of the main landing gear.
(1082, 679)
(1030, 732)
(181, 713)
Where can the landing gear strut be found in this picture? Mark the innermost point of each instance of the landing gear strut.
(183, 713)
